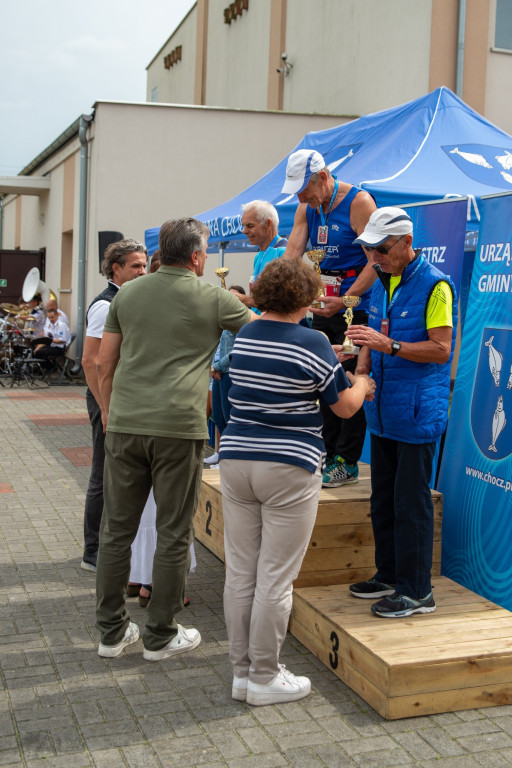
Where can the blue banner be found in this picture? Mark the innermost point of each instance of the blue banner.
(439, 229)
(476, 470)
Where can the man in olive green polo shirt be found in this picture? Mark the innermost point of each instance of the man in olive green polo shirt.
(158, 342)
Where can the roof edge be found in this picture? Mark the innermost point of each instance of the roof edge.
(56, 144)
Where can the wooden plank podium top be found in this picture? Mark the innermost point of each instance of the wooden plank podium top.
(341, 549)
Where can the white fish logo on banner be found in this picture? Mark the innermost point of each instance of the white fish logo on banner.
(490, 402)
(495, 361)
(483, 163)
(505, 160)
(498, 423)
(471, 157)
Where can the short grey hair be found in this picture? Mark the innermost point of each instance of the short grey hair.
(179, 238)
(117, 253)
(263, 210)
(314, 176)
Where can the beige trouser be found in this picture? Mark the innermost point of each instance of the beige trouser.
(269, 511)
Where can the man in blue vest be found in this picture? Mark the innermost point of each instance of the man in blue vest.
(123, 261)
(330, 215)
(411, 335)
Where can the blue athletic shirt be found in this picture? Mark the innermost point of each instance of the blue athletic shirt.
(274, 251)
(342, 253)
(278, 371)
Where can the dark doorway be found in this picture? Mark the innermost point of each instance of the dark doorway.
(14, 267)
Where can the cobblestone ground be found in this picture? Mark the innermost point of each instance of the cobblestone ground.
(65, 707)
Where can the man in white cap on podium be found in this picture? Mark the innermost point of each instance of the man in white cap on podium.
(330, 216)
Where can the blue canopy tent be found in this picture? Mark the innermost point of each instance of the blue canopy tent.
(428, 149)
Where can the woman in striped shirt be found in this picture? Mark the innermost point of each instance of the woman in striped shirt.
(271, 457)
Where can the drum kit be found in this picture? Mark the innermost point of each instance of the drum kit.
(17, 330)
(15, 335)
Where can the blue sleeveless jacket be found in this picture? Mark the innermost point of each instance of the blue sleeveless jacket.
(341, 251)
(411, 399)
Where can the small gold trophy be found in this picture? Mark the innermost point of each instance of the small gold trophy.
(349, 348)
(222, 272)
(316, 257)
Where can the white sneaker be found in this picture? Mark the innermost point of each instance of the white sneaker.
(213, 466)
(184, 640)
(284, 687)
(239, 688)
(131, 635)
(213, 459)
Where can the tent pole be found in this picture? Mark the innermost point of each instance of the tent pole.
(222, 248)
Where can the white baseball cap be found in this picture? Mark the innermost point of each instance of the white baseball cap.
(383, 223)
(299, 169)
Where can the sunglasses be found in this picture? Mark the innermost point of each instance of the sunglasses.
(380, 248)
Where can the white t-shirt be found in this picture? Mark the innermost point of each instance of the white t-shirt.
(97, 316)
(58, 330)
(62, 315)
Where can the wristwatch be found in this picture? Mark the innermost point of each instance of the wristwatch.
(395, 347)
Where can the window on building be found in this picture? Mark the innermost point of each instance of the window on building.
(503, 32)
(154, 93)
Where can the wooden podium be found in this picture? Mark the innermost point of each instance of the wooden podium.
(341, 549)
(459, 657)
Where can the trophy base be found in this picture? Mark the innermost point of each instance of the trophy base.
(317, 304)
(350, 349)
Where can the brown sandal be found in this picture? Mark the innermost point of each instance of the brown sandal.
(143, 599)
(132, 590)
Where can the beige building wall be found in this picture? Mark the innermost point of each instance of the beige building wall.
(237, 58)
(372, 55)
(349, 56)
(148, 163)
(175, 84)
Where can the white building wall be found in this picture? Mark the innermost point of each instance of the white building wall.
(363, 56)
(237, 57)
(175, 85)
(149, 163)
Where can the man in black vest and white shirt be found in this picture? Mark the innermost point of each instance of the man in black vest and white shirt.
(123, 261)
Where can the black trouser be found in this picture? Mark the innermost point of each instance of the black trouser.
(46, 353)
(342, 437)
(94, 497)
(403, 514)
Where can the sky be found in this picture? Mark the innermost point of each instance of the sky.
(57, 57)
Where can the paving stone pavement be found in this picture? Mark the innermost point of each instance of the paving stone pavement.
(65, 707)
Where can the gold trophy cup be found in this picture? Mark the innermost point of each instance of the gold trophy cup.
(316, 257)
(348, 346)
(222, 272)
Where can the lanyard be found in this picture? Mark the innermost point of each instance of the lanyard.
(271, 245)
(397, 291)
(324, 217)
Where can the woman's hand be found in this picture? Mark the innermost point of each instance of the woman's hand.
(370, 383)
(340, 354)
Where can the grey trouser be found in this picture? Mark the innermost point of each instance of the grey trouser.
(134, 463)
(269, 511)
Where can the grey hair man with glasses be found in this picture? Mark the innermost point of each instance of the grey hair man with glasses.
(407, 347)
